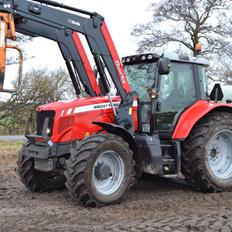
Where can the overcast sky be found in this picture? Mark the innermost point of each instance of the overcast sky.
(120, 17)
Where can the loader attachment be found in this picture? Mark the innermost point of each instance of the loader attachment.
(7, 31)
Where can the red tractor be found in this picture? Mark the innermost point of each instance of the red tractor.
(161, 121)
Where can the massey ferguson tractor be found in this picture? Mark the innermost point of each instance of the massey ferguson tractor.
(161, 121)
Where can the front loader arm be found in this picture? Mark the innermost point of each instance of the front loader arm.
(61, 26)
(47, 19)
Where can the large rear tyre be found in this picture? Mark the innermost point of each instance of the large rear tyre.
(100, 170)
(207, 154)
(37, 181)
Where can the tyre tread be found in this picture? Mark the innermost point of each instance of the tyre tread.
(76, 181)
(192, 167)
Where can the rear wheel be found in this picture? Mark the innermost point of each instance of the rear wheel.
(100, 170)
(207, 153)
(37, 181)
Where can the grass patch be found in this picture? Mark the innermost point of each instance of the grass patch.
(7, 147)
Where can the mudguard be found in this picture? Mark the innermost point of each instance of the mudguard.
(189, 117)
(120, 131)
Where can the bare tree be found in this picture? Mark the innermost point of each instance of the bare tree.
(38, 87)
(188, 23)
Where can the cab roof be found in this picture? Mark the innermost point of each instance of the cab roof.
(153, 57)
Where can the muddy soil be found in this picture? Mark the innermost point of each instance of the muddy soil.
(154, 205)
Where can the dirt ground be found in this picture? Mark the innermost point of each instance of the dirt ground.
(154, 205)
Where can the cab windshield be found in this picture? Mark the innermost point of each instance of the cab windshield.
(184, 84)
(141, 77)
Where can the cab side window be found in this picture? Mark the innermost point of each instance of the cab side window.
(177, 89)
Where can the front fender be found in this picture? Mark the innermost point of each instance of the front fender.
(119, 131)
(193, 114)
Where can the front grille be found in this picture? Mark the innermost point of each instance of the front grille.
(41, 116)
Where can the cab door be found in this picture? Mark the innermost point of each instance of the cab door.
(177, 90)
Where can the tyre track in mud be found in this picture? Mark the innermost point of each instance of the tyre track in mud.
(153, 205)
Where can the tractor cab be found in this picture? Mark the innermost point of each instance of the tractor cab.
(174, 92)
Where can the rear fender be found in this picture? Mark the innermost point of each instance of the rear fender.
(193, 114)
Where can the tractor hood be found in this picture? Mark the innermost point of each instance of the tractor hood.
(75, 105)
(73, 120)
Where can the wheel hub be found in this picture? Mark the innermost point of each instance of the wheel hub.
(108, 172)
(220, 155)
(102, 171)
(214, 154)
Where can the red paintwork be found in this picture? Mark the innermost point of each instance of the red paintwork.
(192, 115)
(70, 126)
(86, 63)
(82, 124)
(114, 55)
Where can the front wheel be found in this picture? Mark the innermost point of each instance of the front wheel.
(100, 170)
(207, 153)
(37, 181)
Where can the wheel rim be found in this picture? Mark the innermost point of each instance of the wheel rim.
(108, 173)
(220, 155)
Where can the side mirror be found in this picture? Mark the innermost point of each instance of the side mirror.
(216, 93)
(164, 66)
